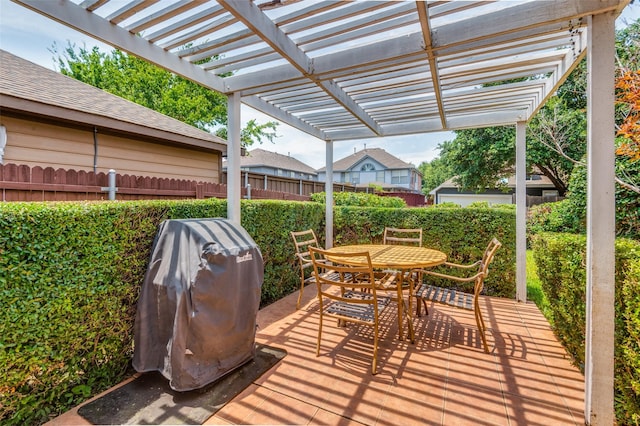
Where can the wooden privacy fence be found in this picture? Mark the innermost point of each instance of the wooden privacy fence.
(280, 184)
(534, 200)
(25, 183)
(264, 182)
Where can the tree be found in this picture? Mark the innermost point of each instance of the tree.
(628, 95)
(153, 87)
(628, 91)
(627, 200)
(556, 140)
(480, 158)
(434, 173)
(252, 132)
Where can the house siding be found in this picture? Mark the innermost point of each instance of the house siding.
(48, 145)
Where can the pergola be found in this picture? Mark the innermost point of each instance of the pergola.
(344, 70)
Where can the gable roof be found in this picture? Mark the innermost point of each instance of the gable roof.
(29, 88)
(377, 154)
(260, 157)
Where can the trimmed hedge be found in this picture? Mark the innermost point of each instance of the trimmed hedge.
(561, 260)
(70, 275)
(361, 199)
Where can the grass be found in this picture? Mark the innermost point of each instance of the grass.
(534, 287)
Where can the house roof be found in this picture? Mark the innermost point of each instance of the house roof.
(260, 157)
(536, 181)
(343, 70)
(32, 89)
(377, 154)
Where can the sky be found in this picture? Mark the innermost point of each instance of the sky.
(31, 36)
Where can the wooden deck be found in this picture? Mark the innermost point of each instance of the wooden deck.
(445, 378)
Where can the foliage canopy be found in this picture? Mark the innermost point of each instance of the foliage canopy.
(153, 87)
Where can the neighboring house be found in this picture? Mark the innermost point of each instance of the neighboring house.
(375, 167)
(50, 120)
(274, 164)
(538, 186)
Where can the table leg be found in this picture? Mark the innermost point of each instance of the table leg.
(400, 305)
(412, 335)
(403, 310)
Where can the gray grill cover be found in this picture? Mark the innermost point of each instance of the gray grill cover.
(196, 317)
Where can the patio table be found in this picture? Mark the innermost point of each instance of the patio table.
(397, 257)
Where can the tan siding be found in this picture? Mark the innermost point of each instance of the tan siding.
(162, 155)
(37, 144)
(47, 158)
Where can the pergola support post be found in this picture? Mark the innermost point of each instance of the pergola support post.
(521, 212)
(328, 189)
(600, 309)
(234, 193)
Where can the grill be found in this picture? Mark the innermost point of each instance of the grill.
(196, 316)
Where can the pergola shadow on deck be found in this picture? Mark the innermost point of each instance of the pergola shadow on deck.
(445, 378)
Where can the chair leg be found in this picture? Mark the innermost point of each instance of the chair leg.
(407, 311)
(319, 335)
(299, 298)
(480, 324)
(424, 303)
(374, 363)
(301, 291)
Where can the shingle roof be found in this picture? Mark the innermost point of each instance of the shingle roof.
(260, 157)
(26, 81)
(376, 154)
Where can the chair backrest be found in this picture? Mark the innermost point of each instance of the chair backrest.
(487, 258)
(346, 266)
(403, 236)
(303, 240)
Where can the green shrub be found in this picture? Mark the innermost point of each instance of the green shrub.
(447, 205)
(361, 199)
(628, 379)
(554, 217)
(479, 205)
(70, 275)
(505, 206)
(560, 261)
(570, 215)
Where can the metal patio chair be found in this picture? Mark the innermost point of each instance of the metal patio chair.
(470, 301)
(350, 296)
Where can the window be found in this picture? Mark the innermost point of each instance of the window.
(380, 176)
(400, 176)
(355, 178)
(367, 167)
(280, 172)
(293, 174)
